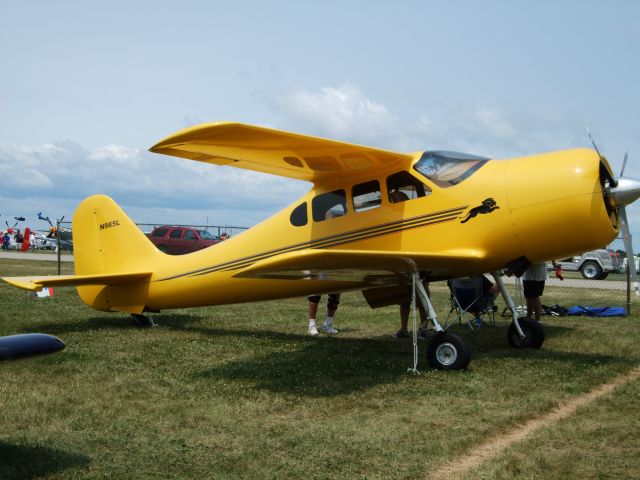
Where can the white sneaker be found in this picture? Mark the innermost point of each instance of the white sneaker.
(329, 328)
(313, 330)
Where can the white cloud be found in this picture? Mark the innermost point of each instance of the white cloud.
(58, 176)
(346, 113)
(343, 113)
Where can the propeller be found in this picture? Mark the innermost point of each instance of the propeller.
(621, 192)
(624, 197)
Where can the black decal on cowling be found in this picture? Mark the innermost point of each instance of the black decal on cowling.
(488, 205)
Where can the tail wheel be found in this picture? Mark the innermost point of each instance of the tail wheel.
(533, 334)
(142, 321)
(448, 351)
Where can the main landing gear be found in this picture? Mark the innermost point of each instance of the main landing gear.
(522, 332)
(446, 350)
(450, 351)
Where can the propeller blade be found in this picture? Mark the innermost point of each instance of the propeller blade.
(593, 142)
(631, 261)
(624, 163)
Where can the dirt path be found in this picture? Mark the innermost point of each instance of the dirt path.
(494, 446)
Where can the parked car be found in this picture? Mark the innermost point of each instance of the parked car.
(181, 240)
(594, 265)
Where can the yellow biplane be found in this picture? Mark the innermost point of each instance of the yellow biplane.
(373, 219)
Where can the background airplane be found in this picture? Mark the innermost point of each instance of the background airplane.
(373, 218)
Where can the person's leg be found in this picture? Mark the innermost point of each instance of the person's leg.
(530, 308)
(529, 295)
(537, 308)
(332, 306)
(313, 311)
(405, 308)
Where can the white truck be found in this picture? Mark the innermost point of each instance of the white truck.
(594, 265)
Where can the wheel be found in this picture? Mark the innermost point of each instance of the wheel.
(591, 270)
(533, 334)
(448, 351)
(163, 248)
(603, 275)
(142, 320)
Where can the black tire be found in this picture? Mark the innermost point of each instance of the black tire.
(533, 334)
(448, 351)
(142, 321)
(590, 270)
(603, 275)
(163, 248)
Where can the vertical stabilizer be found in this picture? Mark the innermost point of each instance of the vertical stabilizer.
(107, 241)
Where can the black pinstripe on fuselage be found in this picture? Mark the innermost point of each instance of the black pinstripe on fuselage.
(332, 241)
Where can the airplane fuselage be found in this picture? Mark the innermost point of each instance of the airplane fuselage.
(538, 207)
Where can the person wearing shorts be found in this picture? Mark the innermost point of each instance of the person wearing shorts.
(533, 282)
(332, 305)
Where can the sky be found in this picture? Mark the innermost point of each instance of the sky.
(87, 87)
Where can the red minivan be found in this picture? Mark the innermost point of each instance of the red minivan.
(181, 240)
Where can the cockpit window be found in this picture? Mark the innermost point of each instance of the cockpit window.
(403, 186)
(366, 196)
(329, 205)
(298, 216)
(447, 169)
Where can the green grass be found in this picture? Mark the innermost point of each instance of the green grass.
(242, 392)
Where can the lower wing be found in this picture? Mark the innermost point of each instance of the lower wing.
(362, 266)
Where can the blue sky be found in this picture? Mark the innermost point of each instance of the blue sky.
(87, 87)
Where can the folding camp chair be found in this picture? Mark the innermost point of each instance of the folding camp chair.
(469, 302)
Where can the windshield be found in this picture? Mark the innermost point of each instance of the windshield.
(205, 235)
(446, 169)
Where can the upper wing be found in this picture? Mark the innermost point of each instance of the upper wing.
(274, 151)
(362, 266)
(38, 283)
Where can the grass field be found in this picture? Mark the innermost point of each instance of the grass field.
(242, 392)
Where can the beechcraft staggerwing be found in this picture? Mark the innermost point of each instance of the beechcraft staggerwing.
(373, 218)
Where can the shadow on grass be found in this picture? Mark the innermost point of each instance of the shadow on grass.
(319, 367)
(33, 461)
(114, 321)
(327, 367)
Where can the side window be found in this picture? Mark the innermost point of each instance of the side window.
(299, 215)
(160, 232)
(403, 186)
(190, 235)
(329, 205)
(175, 233)
(366, 196)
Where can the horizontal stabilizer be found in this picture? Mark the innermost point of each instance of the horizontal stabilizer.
(360, 266)
(36, 284)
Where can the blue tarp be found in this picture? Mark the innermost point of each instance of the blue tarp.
(597, 311)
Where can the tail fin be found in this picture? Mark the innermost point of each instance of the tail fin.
(113, 259)
(105, 239)
(106, 242)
